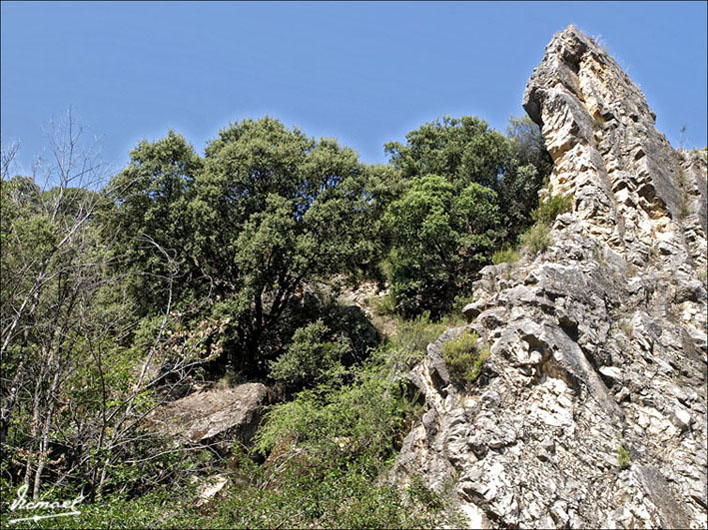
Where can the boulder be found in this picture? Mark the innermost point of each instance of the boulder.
(216, 415)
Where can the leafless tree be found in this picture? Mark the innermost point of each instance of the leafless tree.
(48, 278)
(56, 328)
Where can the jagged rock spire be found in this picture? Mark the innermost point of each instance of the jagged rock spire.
(591, 410)
(632, 189)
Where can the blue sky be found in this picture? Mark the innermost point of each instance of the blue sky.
(365, 73)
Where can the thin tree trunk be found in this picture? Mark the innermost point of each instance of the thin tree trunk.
(44, 442)
(15, 386)
(34, 437)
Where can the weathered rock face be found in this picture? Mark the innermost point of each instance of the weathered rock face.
(215, 415)
(599, 343)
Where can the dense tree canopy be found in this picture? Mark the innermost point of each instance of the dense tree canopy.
(445, 233)
(151, 198)
(529, 145)
(274, 210)
(463, 151)
(532, 165)
(441, 236)
(267, 211)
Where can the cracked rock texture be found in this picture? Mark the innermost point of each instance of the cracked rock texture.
(597, 343)
(214, 417)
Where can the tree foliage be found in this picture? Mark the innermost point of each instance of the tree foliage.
(440, 237)
(310, 357)
(469, 190)
(265, 213)
(462, 150)
(275, 210)
(151, 197)
(529, 145)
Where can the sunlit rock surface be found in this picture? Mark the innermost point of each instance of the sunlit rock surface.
(598, 343)
(214, 416)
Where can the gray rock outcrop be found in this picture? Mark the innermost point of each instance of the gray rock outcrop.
(213, 416)
(598, 344)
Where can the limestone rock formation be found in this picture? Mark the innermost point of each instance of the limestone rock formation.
(598, 344)
(215, 415)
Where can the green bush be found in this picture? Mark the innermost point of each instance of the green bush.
(442, 234)
(461, 300)
(310, 357)
(551, 208)
(383, 305)
(508, 255)
(413, 336)
(467, 190)
(367, 414)
(623, 459)
(304, 494)
(464, 357)
(350, 324)
(325, 451)
(328, 335)
(537, 238)
(164, 507)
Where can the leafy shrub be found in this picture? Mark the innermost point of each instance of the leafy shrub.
(461, 300)
(383, 305)
(464, 357)
(623, 459)
(413, 336)
(366, 413)
(508, 255)
(167, 503)
(551, 208)
(445, 234)
(350, 324)
(310, 357)
(306, 495)
(537, 238)
(442, 235)
(113, 512)
(326, 449)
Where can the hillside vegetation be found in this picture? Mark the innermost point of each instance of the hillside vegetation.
(186, 272)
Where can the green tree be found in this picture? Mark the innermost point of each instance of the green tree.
(532, 164)
(462, 150)
(440, 238)
(518, 197)
(310, 357)
(508, 172)
(465, 150)
(274, 210)
(57, 301)
(151, 197)
(529, 145)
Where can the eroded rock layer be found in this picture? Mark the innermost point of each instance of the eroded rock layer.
(598, 344)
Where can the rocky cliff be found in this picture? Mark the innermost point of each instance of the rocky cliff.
(598, 344)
